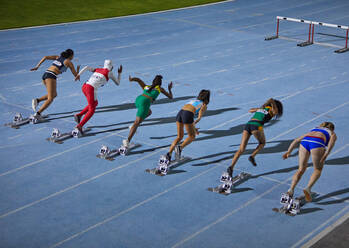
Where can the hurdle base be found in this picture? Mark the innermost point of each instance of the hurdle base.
(305, 43)
(271, 37)
(342, 50)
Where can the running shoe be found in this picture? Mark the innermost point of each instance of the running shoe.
(34, 104)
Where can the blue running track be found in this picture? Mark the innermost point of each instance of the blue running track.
(61, 195)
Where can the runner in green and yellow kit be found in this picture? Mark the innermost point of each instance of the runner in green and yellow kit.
(272, 108)
(143, 102)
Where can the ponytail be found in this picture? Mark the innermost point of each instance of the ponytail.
(67, 53)
(279, 107)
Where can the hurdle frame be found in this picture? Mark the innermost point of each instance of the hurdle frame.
(342, 50)
(311, 32)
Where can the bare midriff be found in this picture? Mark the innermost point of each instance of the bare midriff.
(54, 69)
(190, 108)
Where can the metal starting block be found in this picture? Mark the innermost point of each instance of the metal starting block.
(285, 199)
(225, 177)
(55, 133)
(17, 118)
(104, 151)
(33, 120)
(226, 187)
(76, 133)
(123, 150)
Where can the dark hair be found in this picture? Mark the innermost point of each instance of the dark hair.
(279, 107)
(157, 81)
(328, 125)
(204, 96)
(67, 53)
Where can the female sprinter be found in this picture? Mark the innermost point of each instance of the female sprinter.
(49, 79)
(143, 102)
(313, 143)
(98, 79)
(272, 108)
(185, 118)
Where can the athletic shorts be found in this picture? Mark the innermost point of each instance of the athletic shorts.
(143, 106)
(310, 142)
(185, 117)
(250, 127)
(49, 74)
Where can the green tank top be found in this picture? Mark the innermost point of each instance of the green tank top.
(154, 93)
(261, 116)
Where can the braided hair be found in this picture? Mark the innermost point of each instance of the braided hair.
(157, 81)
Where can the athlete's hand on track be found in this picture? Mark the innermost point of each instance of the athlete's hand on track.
(286, 155)
(120, 69)
(77, 78)
(170, 85)
(35, 68)
(130, 78)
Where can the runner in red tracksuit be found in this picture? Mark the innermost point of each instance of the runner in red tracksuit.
(98, 79)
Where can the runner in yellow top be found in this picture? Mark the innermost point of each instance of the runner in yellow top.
(272, 108)
(143, 102)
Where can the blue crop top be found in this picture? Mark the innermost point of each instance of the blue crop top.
(197, 104)
(327, 132)
(59, 63)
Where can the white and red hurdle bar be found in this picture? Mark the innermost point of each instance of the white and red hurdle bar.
(310, 40)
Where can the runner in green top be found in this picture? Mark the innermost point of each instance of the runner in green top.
(143, 102)
(272, 108)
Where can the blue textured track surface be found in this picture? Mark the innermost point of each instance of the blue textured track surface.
(61, 195)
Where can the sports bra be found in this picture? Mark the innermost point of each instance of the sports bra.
(59, 63)
(154, 93)
(197, 105)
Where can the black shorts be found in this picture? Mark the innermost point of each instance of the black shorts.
(252, 127)
(49, 74)
(185, 117)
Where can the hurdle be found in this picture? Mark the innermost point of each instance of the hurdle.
(344, 49)
(311, 31)
(278, 18)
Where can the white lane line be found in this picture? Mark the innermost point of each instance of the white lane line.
(76, 185)
(176, 186)
(14, 145)
(2, 98)
(16, 105)
(257, 197)
(304, 123)
(133, 207)
(326, 231)
(226, 122)
(54, 155)
(226, 216)
(16, 136)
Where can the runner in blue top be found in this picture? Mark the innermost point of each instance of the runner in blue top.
(49, 79)
(185, 118)
(313, 143)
